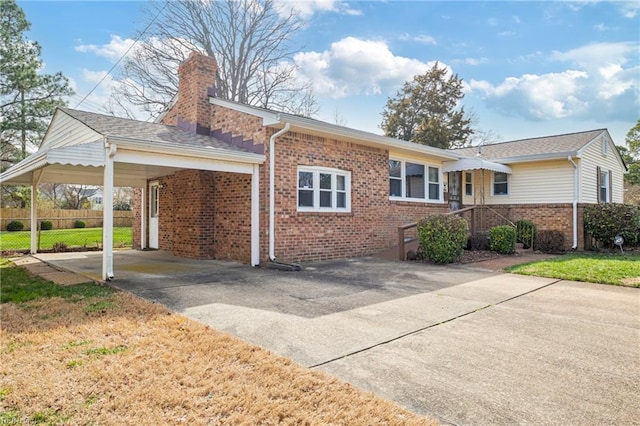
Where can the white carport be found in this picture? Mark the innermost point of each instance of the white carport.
(94, 149)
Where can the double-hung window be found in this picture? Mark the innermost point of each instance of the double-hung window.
(500, 183)
(414, 181)
(322, 189)
(604, 185)
(468, 183)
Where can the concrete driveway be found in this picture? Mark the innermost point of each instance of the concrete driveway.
(465, 345)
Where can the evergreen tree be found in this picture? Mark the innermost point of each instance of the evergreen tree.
(28, 98)
(426, 111)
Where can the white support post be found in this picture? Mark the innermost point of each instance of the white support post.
(37, 175)
(107, 213)
(143, 218)
(34, 216)
(255, 216)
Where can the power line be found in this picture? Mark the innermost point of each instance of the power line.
(123, 55)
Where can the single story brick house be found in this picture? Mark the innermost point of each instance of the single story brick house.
(219, 179)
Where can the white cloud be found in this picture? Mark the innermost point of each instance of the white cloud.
(603, 27)
(475, 61)
(506, 33)
(598, 86)
(354, 66)
(630, 9)
(114, 50)
(426, 39)
(308, 8)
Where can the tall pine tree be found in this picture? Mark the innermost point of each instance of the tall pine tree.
(28, 98)
(426, 111)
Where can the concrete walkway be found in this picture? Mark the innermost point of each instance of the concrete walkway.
(464, 344)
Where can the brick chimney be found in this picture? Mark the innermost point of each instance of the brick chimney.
(196, 82)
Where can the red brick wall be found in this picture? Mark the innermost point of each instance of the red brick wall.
(137, 214)
(232, 222)
(545, 216)
(197, 75)
(371, 225)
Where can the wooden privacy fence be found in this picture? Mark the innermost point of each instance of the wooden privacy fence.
(63, 219)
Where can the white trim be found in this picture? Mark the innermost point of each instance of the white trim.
(493, 177)
(316, 190)
(143, 217)
(107, 213)
(255, 216)
(403, 186)
(464, 182)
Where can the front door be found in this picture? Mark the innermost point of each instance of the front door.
(455, 190)
(154, 214)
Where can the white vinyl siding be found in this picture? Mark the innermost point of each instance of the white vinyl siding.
(591, 158)
(68, 131)
(531, 183)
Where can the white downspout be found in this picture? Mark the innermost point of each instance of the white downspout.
(272, 189)
(575, 203)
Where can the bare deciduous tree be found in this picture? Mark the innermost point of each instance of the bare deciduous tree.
(250, 39)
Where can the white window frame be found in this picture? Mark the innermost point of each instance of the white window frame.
(316, 171)
(468, 183)
(493, 185)
(604, 185)
(427, 182)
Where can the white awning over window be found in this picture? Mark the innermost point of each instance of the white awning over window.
(474, 164)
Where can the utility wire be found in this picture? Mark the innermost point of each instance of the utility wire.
(123, 55)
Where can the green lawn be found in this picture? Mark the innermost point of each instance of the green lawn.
(616, 269)
(78, 237)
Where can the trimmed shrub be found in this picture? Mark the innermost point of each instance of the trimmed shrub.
(79, 224)
(14, 226)
(59, 246)
(604, 221)
(46, 225)
(525, 233)
(502, 239)
(442, 238)
(551, 241)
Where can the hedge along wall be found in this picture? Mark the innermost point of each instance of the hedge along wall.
(63, 219)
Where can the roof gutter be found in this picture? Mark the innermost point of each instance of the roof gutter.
(272, 189)
(575, 203)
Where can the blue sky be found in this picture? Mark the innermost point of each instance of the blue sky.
(530, 68)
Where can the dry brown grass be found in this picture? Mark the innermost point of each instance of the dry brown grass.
(121, 360)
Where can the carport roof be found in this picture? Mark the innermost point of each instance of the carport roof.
(116, 127)
(74, 149)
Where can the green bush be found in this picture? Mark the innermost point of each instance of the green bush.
(604, 221)
(525, 232)
(549, 241)
(502, 239)
(14, 226)
(46, 225)
(79, 224)
(442, 238)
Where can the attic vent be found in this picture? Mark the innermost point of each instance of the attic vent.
(605, 146)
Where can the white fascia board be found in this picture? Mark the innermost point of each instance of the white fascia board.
(18, 174)
(535, 157)
(367, 138)
(201, 152)
(181, 162)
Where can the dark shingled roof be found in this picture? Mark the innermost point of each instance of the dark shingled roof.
(110, 126)
(548, 145)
